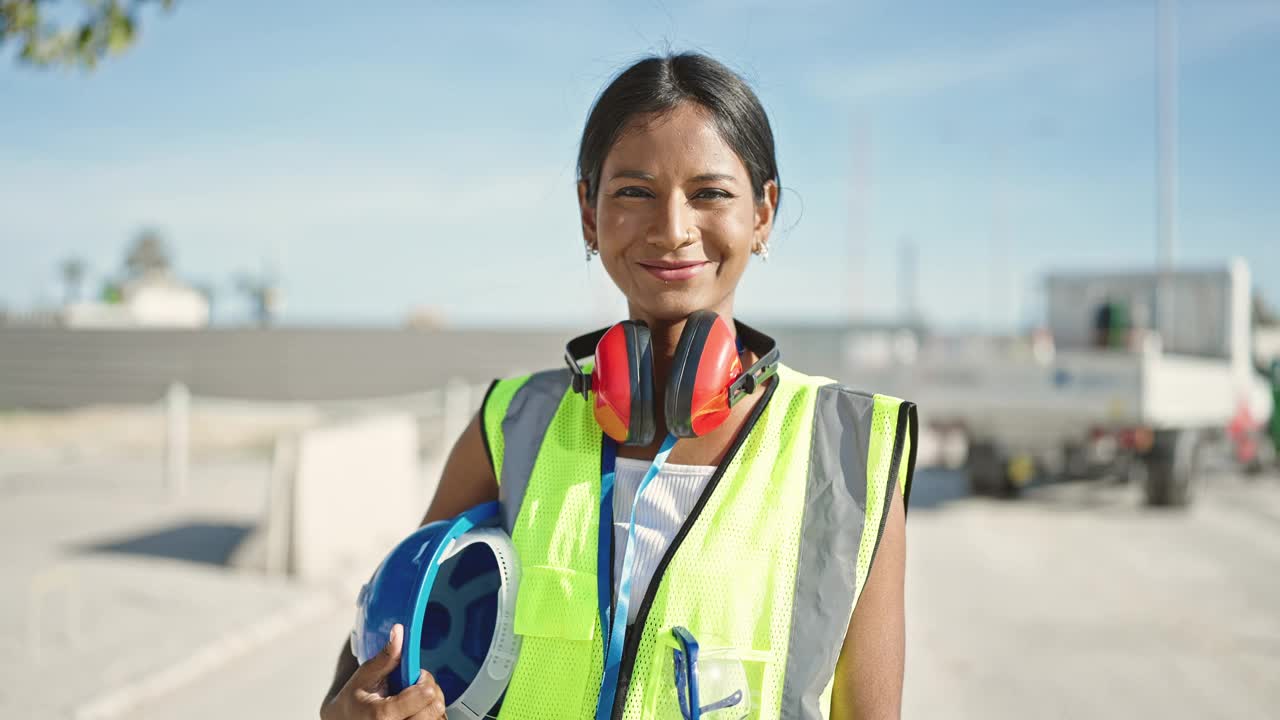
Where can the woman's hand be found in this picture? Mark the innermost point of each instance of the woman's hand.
(366, 696)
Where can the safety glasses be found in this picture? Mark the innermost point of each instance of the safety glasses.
(685, 659)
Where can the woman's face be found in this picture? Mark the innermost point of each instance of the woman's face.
(674, 218)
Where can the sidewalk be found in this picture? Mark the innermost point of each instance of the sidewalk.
(118, 595)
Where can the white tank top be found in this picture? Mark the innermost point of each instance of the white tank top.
(662, 510)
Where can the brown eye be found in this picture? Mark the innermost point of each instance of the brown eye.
(632, 191)
(713, 194)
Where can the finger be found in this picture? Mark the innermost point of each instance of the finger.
(421, 701)
(375, 670)
(435, 712)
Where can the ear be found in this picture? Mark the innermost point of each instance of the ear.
(587, 211)
(764, 214)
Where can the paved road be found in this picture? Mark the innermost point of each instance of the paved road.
(1077, 602)
(1073, 602)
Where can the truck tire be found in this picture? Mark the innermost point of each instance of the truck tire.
(1173, 468)
(1131, 470)
(989, 471)
(1263, 459)
(1075, 460)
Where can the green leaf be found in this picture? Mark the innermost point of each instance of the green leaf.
(23, 16)
(107, 27)
(84, 38)
(121, 33)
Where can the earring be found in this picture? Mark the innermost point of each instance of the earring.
(591, 251)
(763, 252)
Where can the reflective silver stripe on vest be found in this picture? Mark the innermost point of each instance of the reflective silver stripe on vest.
(528, 416)
(834, 513)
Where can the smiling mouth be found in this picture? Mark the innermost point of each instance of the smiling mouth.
(670, 272)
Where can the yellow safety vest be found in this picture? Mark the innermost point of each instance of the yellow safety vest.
(767, 568)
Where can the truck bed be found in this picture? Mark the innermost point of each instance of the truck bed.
(1038, 406)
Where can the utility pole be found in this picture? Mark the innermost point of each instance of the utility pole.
(859, 202)
(1166, 158)
(999, 267)
(908, 285)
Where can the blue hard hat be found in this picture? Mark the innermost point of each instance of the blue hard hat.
(452, 585)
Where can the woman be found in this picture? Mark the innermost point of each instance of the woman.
(757, 535)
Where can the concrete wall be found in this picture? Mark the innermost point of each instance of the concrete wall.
(356, 491)
(52, 368)
(60, 368)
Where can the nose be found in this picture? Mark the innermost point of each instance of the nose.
(674, 225)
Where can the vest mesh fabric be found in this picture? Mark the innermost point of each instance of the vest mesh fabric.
(884, 424)
(556, 606)
(731, 580)
(491, 415)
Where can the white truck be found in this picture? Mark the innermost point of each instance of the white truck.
(1113, 383)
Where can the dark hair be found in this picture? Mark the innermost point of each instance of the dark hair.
(659, 85)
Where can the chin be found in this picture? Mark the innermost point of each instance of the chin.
(673, 307)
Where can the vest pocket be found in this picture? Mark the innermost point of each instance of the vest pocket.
(729, 681)
(556, 619)
(556, 602)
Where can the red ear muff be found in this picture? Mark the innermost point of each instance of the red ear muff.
(705, 365)
(622, 380)
(706, 381)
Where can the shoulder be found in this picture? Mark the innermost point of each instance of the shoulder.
(836, 391)
(883, 430)
(515, 393)
(552, 381)
(532, 398)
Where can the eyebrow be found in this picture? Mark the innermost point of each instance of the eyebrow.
(705, 177)
(634, 174)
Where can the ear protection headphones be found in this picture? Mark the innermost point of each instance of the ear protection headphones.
(706, 380)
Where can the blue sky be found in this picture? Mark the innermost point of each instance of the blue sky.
(386, 156)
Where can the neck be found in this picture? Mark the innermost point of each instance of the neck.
(664, 336)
